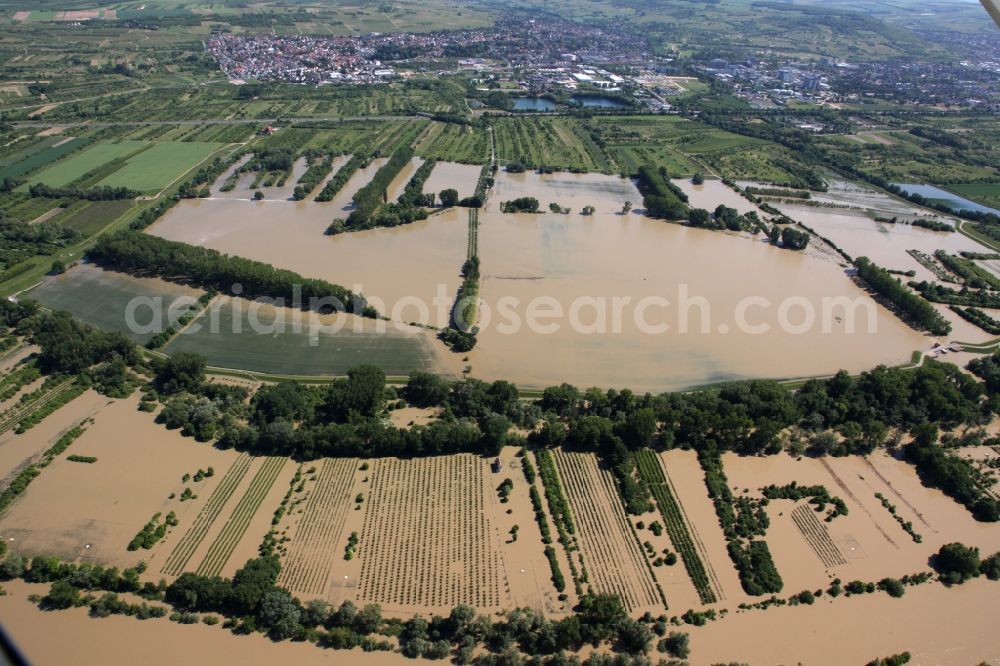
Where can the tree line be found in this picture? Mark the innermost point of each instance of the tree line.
(252, 601)
(660, 197)
(372, 196)
(144, 254)
(102, 193)
(917, 310)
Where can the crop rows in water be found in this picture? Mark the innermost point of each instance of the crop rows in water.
(225, 543)
(817, 536)
(189, 543)
(612, 552)
(651, 472)
(426, 538)
(40, 403)
(313, 548)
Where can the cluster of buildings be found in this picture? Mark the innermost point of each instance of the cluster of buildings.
(769, 84)
(372, 57)
(296, 59)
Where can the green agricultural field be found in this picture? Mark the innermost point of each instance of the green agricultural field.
(94, 157)
(25, 208)
(555, 142)
(685, 147)
(100, 298)
(290, 352)
(37, 160)
(153, 169)
(987, 194)
(630, 158)
(26, 148)
(456, 143)
(91, 218)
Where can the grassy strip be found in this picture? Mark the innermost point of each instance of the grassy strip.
(937, 293)
(48, 391)
(185, 548)
(164, 336)
(558, 506)
(558, 509)
(651, 473)
(372, 196)
(28, 474)
(227, 540)
(557, 575)
(818, 496)
(152, 532)
(460, 336)
(313, 176)
(543, 524)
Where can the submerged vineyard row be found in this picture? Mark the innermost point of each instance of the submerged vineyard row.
(189, 543)
(651, 472)
(817, 536)
(225, 543)
(308, 565)
(606, 540)
(426, 538)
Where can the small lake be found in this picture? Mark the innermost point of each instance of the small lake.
(599, 102)
(533, 104)
(937, 195)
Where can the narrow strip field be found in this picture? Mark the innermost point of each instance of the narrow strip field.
(652, 473)
(189, 543)
(426, 539)
(817, 536)
(14, 417)
(610, 551)
(225, 543)
(313, 548)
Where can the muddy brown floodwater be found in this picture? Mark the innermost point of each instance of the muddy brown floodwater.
(395, 268)
(445, 175)
(574, 262)
(567, 259)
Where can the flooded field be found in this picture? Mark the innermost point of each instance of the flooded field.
(606, 194)
(886, 244)
(393, 267)
(235, 333)
(117, 639)
(17, 450)
(937, 625)
(572, 258)
(462, 177)
(102, 298)
(711, 193)
(580, 263)
(92, 511)
(398, 183)
(867, 543)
